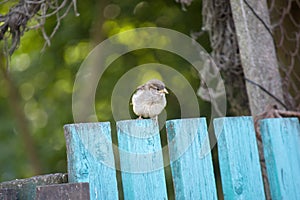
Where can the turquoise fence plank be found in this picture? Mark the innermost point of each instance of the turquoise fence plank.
(238, 158)
(90, 158)
(141, 160)
(281, 141)
(192, 170)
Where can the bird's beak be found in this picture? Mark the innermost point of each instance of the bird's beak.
(164, 91)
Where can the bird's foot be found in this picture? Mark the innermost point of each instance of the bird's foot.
(140, 117)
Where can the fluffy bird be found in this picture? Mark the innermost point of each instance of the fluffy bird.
(150, 99)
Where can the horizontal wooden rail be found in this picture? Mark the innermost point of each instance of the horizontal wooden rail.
(26, 188)
(78, 191)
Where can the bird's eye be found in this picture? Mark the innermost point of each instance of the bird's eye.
(155, 88)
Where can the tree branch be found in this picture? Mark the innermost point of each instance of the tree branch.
(21, 121)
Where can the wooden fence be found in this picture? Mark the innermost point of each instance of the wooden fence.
(91, 161)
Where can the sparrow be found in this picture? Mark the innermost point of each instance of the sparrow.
(149, 99)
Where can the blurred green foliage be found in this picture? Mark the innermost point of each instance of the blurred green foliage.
(45, 79)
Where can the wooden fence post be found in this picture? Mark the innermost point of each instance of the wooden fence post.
(281, 139)
(193, 173)
(91, 159)
(257, 50)
(238, 158)
(141, 160)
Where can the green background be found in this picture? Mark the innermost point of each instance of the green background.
(44, 80)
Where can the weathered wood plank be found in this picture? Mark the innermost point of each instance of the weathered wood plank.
(91, 159)
(281, 140)
(192, 172)
(141, 160)
(78, 191)
(26, 188)
(238, 158)
(8, 194)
